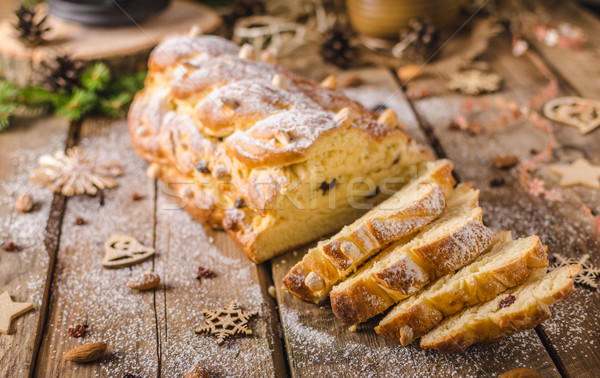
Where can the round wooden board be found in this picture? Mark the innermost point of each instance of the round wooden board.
(124, 49)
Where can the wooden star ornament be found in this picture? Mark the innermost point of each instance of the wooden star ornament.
(226, 322)
(580, 172)
(9, 310)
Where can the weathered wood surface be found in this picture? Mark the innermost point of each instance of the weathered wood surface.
(151, 333)
(124, 49)
(183, 246)
(581, 69)
(84, 290)
(23, 272)
(572, 333)
(318, 344)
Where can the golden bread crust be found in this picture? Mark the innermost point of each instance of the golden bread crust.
(218, 123)
(419, 315)
(398, 272)
(394, 219)
(494, 322)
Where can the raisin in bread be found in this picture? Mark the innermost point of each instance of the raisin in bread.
(515, 310)
(453, 240)
(506, 263)
(414, 206)
(273, 158)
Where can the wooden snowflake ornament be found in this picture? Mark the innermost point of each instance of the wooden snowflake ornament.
(474, 82)
(587, 275)
(74, 172)
(580, 112)
(123, 250)
(226, 322)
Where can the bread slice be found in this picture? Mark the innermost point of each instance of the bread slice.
(450, 242)
(506, 263)
(410, 209)
(520, 308)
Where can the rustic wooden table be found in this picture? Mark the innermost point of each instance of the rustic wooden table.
(151, 333)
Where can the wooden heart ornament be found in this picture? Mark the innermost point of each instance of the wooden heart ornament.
(582, 113)
(123, 250)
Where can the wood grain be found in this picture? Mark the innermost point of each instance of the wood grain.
(184, 245)
(23, 272)
(573, 331)
(578, 67)
(84, 290)
(318, 344)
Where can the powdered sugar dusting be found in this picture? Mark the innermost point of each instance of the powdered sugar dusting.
(84, 290)
(185, 245)
(319, 346)
(25, 230)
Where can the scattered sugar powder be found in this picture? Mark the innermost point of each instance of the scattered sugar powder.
(26, 230)
(131, 322)
(319, 345)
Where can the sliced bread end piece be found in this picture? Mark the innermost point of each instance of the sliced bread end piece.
(398, 272)
(518, 309)
(505, 264)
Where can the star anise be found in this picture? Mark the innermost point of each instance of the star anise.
(9, 246)
(77, 330)
(204, 273)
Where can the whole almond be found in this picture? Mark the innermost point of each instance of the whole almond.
(520, 373)
(24, 203)
(144, 281)
(330, 82)
(86, 352)
(408, 72)
(503, 161)
(198, 371)
(348, 81)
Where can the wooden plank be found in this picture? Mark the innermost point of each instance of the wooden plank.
(579, 67)
(571, 335)
(318, 344)
(378, 91)
(84, 290)
(23, 272)
(184, 245)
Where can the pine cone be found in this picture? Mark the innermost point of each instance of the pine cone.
(64, 74)
(245, 8)
(420, 38)
(31, 28)
(337, 47)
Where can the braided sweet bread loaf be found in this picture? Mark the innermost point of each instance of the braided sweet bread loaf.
(275, 159)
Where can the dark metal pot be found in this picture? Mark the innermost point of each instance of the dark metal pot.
(105, 12)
